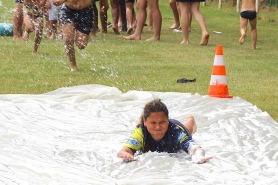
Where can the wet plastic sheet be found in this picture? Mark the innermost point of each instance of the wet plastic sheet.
(72, 135)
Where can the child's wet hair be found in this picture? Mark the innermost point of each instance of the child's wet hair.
(155, 105)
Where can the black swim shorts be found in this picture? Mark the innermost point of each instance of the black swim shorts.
(83, 19)
(248, 14)
(129, 1)
(190, 1)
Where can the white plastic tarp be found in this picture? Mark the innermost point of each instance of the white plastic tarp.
(72, 135)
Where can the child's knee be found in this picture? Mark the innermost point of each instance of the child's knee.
(81, 45)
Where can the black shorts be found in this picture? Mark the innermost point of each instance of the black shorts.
(83, 19)
(182, 1)
(248, 14)
(129, 1)
(18, 1)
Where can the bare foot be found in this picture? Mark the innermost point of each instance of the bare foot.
(241, 39)
(129, 30)
(153, 38)
(17, 38)
(116, 30)
(204, 40)
(184, 42)
(25, 37)
(132, 37)
(73, 68)
(174, 26)
(93, 36)
(52, 37)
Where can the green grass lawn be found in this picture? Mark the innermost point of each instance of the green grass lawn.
(152, 66)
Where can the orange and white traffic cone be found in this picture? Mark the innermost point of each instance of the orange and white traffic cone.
(218, 83)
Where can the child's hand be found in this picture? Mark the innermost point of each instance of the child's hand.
(199, 156)
(199, 159)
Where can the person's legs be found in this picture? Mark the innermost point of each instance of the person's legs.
(123, 15)
(81, 40)
(103, 6)
(141, 18)
(95, 21)
(185, 24)
(190, 20)
(38, 23)
(190, 124)
(29, 27)
(150, 18)
(243, 29)
(194, 7)
(253, 24)
(53, 29)
(115, 15)
(129, 17)
(173, 5)
(47, 22)
(68, 37)
(157, 19)
(17, 21)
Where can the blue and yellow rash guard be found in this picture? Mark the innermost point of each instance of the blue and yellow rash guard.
(176, 138)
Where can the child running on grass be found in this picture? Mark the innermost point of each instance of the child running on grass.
(248, 13)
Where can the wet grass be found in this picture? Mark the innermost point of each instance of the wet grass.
(151, 66)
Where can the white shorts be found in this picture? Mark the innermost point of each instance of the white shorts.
(53, 13)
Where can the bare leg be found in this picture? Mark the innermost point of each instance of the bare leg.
(38, 22)
(115, 15)
(18, 21)
(129, 17)
(150, 18)
(47, 22)
(243, 29)
(190, 124)
(194, 7)
(253, 24)
(123, 15)
(141, 18)
(53, 29)
(190, 20)
(29, 27)
(103, 6)
(184, 9)
(68, 37)
(95, 22)
(81, 40)
(173, 5)
(157, 19)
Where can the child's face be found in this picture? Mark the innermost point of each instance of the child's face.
(157, 125)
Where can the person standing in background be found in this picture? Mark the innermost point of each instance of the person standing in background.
(142, 16)
(18, 20)
(192, 6)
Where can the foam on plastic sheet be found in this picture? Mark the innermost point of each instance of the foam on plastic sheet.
(72, 135)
